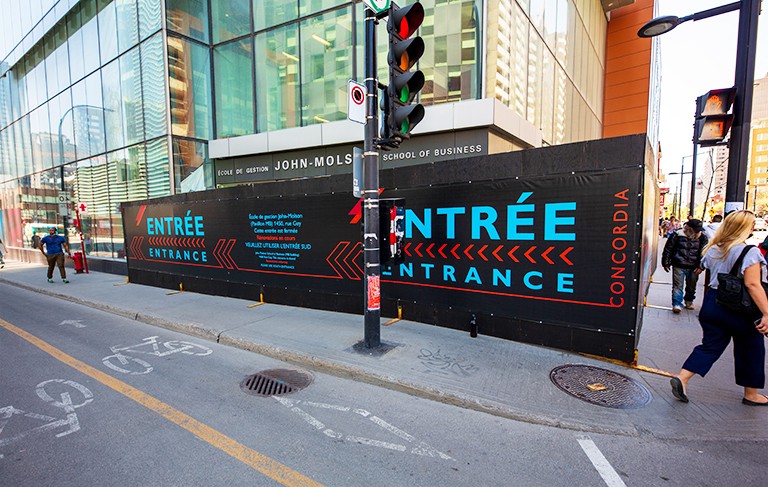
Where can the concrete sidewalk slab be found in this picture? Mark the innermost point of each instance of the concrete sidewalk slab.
(497, 376)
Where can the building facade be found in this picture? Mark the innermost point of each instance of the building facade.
(758, 154)
(107, 101)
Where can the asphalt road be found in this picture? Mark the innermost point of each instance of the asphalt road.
(87, 399)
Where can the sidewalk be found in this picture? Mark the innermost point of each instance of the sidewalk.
(500, 377)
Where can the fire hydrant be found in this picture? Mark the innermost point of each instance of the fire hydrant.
(77, 257)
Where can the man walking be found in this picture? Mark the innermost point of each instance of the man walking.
(682, 252)
(55, 255)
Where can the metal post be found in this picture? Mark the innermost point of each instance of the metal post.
(372, 290)
(680, 199)
(742, 106)
(692, 204)
(754, 201)
(61, 172)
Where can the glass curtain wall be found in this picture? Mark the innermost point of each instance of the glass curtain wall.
(304, 51)
(193, 27)
(84, 111)
(546, 60)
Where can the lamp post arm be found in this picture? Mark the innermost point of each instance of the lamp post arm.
(705, 14)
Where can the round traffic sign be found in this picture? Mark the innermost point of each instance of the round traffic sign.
(357, 94)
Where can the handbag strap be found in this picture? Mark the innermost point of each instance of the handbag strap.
(737, 264)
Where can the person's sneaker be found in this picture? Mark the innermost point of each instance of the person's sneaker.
(50, 280)
(676, 309)
(65, 281)
(689, 305)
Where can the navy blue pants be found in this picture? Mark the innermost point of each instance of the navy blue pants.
(720, 326)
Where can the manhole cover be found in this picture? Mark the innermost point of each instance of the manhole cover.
(275, 382)
(600, 386)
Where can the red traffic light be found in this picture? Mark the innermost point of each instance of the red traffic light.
(407, 19)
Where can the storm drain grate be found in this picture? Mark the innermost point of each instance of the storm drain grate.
(599, 386)
(275, 382)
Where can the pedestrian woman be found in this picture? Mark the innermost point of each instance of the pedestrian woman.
(720, 324)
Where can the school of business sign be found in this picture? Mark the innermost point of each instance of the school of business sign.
(323, 161)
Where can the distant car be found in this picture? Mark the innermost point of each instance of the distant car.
(760, 224)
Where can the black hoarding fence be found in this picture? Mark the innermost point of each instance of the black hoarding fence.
(553, 259)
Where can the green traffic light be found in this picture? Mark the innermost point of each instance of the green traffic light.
(405, 93)
(405, 126)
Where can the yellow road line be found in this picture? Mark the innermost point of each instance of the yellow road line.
(267, 466)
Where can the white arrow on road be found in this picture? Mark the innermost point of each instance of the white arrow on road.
(75, 323)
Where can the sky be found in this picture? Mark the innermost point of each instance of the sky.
(697, 56)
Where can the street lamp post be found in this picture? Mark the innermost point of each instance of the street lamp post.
(746, 48)
(61, 170)
(680, 188)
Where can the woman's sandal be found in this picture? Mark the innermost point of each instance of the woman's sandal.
(677, 389)
(746, 401)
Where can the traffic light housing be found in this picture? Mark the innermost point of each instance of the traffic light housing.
(400, 114)
(712, 118)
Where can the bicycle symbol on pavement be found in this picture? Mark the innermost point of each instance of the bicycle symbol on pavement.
(125, 363)
(44, 390)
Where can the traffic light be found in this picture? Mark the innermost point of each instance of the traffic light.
(712, 118)
(400, 115)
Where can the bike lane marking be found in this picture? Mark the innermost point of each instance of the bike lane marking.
(601, 464)
(258, 461)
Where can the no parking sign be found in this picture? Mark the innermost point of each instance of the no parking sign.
(356, 102)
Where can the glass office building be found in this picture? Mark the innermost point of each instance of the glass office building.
(107, 101)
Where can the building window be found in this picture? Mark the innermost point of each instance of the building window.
(230, 19)
(326, 65)
(267, 13)
(233, 68)
(190, 88)
(191, 166)
(278, 99)
(188, 17)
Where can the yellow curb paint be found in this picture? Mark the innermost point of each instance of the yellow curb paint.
(267, 466)
(641, 368)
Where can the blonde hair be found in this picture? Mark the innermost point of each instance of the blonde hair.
(735, 229)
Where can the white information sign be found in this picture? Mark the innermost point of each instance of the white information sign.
(356, 102)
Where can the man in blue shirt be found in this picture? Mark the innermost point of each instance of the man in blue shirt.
(55, 255)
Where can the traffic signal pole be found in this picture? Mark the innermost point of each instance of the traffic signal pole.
(746, 47)
(371, 258)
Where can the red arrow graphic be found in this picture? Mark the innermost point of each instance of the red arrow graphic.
(466, 251)
(453, 250)
(495, 253)
(227, 251)
(405, 249)
(346, 261)
(354, 260)
(528, 254)
(511, 252)
(344, 267)
(217, 250)
(544, 255)
(563, 256)
(330, 260)
(480, 252)
(416, 249)
(429, 250)
(440, 251)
